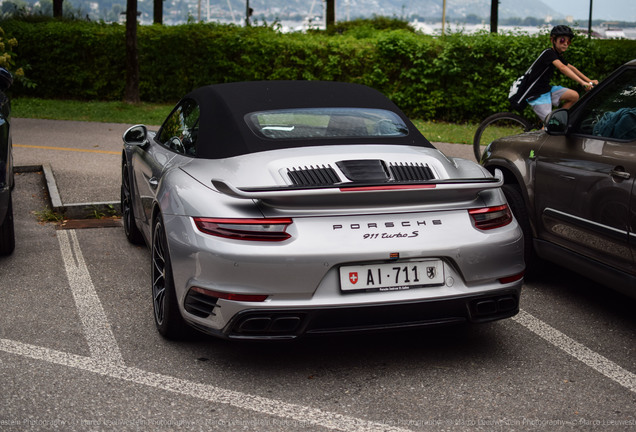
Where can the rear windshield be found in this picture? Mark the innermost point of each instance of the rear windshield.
(326, 123)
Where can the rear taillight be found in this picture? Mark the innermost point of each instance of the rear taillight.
(245, 229)
(491, 217)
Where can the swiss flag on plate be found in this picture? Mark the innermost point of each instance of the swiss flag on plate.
(353, 277)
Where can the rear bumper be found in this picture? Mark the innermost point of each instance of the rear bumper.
(292, 323)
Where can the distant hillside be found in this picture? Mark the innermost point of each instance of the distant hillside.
(270, 10)
(433, 8)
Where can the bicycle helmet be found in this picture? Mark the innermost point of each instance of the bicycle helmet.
(562, 30)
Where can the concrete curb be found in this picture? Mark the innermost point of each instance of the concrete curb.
(73, 210)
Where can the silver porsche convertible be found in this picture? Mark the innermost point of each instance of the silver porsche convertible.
(280, 209)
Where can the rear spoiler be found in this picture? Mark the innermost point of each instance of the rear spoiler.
(366, 193)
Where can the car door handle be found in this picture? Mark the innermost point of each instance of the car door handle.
(620, 174)
(153, 182)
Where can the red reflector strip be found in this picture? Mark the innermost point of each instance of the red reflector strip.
(231, 296)
(381, 188)
(510, 279)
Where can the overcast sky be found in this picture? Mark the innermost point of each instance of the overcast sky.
(620, 10)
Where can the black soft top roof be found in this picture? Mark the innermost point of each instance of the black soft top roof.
(224, 133)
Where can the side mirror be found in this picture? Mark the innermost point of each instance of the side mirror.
(6, 79)
(136, 135)
(557, 122)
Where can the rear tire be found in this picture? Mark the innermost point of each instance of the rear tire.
(133, 234)
(168, 319)
(7, 232)
(489, 129)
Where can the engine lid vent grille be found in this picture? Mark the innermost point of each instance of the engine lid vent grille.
(364, 170)
(313, 176)
(411, 172)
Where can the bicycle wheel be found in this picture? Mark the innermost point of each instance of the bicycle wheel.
(497, 126)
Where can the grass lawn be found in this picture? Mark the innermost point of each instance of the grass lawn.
(154, 114)
(97, 111)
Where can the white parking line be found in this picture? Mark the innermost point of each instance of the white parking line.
(106, 359)
(97, 330)
(580, 352)
(292, 412)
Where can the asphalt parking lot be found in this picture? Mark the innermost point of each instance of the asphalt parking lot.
(78, 348)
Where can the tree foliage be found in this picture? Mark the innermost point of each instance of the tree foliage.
(456, 78)
(8, 44)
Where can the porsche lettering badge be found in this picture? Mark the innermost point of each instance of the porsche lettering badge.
(388, 224)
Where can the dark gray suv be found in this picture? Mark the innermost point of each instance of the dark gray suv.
(571, 187)
(7, 238)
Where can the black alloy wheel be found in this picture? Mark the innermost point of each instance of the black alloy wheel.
(168, 319)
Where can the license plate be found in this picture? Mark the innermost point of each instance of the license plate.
(392, 276)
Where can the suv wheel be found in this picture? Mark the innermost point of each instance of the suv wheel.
(518, 207)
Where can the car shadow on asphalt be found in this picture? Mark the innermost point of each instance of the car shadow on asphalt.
(570, 287)
(434, 345)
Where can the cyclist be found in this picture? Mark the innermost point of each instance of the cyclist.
(542, 96)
